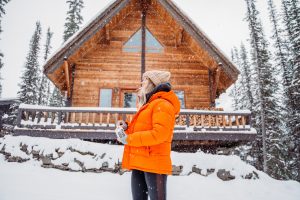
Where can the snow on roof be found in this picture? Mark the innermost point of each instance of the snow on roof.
(194, 21)
(206, 41)
(79, 31)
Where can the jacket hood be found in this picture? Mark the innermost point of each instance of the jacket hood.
(166, 87)
(169, 96)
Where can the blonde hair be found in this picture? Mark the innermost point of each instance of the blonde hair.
(147, 86)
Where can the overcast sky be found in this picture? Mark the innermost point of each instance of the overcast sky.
(221, 20)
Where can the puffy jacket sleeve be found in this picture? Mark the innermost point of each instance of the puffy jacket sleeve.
(163, 117)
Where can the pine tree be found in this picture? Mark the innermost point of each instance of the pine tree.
(74, 18)
(267, 121)
(56, 98)
(44, 90)
(247, 79)
(234, 92)
(241, 92)
(291, 10)
(2, 12)
(282, 61)
(29, 85)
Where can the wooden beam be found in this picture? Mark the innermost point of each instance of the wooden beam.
(107, 32)
(67, 77)
(72, 82)
(216, 78)
(210, 81)
(179, 37)
(109, 134)
(143, 53)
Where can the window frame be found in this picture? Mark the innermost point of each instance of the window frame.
(122, 95)
(111, 99)
(140, 48)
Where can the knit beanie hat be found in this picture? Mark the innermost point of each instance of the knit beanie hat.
(157, 77)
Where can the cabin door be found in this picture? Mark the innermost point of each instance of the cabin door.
(128, 99)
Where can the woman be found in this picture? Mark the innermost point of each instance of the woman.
(149, 135)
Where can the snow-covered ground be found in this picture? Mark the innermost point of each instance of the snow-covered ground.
(30, 181)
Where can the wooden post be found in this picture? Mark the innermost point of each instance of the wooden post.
(210, 80)
(19, 118)
(243, 121)
(100, 118)
(216, 78)
(39, 116)
(195, 120)
(52, 117)
(230, 121)
(217, 121)
(33, 115)
(46, 117)
(80, 118)
(87, 118)
(209, 120)
(224, 121)
(202, 121)
(187, 120)
(73, 117)
(107, 119)
(143, 53)
(59, 119)
(237, 121)
(93, 118)
(67, 77)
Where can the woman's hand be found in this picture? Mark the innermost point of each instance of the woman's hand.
(121, 136)
(122, 124)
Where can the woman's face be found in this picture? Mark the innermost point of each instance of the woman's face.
(145, 82)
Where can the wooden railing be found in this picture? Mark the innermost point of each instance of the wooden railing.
(84, 122)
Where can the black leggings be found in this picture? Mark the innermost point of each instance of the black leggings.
(144, 183)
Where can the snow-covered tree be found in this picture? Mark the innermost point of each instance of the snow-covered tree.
(235, 90)
(2, 12)
(267, 147)
(245, 69)
(29, 85)
(291, 12)
(74, 18)
(56, 98)
(44, 90)
(241, 92)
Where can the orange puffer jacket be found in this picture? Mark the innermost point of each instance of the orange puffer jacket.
(150, 135)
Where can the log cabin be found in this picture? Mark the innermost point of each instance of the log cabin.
(107, 57)
(102, 64)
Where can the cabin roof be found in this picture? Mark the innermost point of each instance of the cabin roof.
(104, 17)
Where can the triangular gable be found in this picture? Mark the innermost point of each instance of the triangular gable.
(104, 18)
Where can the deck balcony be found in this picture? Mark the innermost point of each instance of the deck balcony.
(99, 123)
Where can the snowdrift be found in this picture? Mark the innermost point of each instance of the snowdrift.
(199, 174)
(78, 155)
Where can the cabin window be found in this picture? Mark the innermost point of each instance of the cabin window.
(129, 100)
(180, 95)
(134, 44)
(105, 97)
